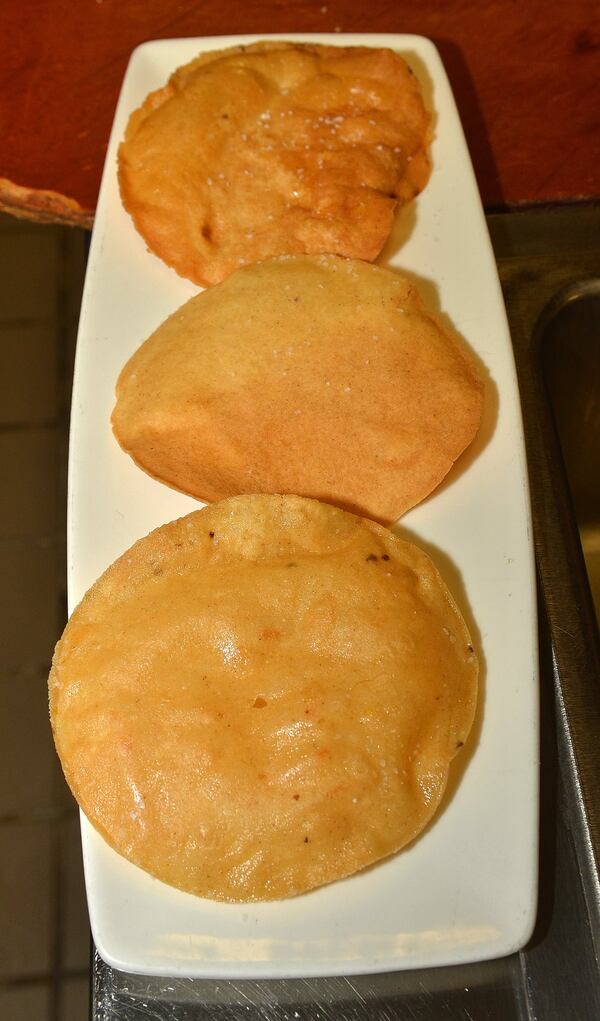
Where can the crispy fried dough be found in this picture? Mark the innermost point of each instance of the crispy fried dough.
(262, 697)
(272, 148)
(313, 375)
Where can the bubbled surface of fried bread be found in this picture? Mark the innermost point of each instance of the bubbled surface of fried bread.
(311, 375)
(262, 697)
(273, 148)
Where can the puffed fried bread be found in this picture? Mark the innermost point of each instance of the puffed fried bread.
(310, 375)
(263, 697)
(273, 148)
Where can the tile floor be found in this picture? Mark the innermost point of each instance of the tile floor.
(44, 937)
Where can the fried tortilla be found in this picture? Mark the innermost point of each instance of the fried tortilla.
(311, 375)
(272, 148)
(262, 697)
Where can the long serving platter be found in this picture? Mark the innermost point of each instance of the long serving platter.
(466, 889)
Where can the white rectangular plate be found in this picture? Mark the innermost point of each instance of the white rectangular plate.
(467, 889)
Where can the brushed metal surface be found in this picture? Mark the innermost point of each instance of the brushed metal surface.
(549, 262)
(569, 336)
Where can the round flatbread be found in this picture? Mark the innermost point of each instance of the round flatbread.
(311, 375)
(276, 147)
(262, 697)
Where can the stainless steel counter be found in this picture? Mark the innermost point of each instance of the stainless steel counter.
(549, 262)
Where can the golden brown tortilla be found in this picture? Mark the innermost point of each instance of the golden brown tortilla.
(277, 147)
(262, 697)
(312, 375)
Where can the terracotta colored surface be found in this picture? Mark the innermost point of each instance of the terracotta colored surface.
(525, 74)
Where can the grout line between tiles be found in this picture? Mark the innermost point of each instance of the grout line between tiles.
(42, 978)
(58, 843)
(65, 338)
(20, 322)
(25, 426)
(12, 223)
(35, 539)
(37, 818)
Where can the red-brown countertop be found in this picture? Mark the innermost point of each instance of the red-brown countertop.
(525, 74)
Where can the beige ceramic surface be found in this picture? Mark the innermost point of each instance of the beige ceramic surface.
(466, 890)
